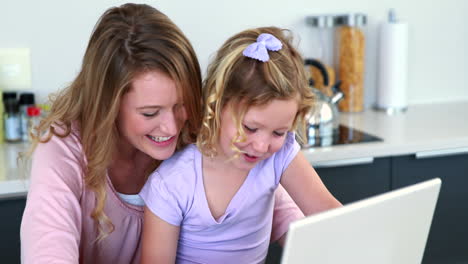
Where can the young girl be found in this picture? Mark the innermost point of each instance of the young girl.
(213, 202)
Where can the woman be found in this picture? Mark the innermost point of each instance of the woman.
(135, 101)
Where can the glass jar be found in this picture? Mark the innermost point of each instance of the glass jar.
(322, 44)
(323, 35)
(350, 56)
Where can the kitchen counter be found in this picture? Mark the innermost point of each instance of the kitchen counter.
(430, 129)
(13, 182)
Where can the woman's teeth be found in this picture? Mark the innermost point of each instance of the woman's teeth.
(160, 139)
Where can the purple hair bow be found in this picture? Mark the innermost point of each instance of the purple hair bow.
(259, 50)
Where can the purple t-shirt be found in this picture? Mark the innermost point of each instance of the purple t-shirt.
(175, 193)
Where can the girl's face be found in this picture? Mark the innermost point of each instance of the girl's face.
(151, 115)
(265, 128)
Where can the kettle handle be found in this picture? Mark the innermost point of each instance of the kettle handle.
(317, 64)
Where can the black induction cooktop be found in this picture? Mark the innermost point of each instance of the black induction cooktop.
(343, 135)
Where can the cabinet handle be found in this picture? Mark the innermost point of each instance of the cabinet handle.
(440, 153)
(343, 162)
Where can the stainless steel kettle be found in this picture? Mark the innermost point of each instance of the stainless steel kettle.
(323, 119)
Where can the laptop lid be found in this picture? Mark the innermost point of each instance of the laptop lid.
(389, 228)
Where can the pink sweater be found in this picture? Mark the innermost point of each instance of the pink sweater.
(57, 226)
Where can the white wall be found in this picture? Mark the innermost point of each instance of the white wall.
(57, 32)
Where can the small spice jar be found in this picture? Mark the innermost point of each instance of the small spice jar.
(34, 118)
(11, 121)
(26, 100)
(351, 45)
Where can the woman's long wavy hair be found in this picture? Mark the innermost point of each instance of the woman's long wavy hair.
(244, 82)
(126, 41)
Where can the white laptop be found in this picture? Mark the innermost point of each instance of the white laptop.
(386, 229)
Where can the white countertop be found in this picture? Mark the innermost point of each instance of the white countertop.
(13, 182)
(421, 130)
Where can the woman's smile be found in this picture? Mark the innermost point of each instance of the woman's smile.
(162, 141)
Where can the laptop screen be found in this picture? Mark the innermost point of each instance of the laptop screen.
(389, 228)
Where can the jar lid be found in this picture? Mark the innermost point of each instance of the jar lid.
(11, 106)
(8, 95)
(351, 19)
(321, 21)
(26, 99)
(33, 111)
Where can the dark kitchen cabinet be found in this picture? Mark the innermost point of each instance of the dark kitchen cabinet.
(12, 211)
(448, 238)
(352, 182)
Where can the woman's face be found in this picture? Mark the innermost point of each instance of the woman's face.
(151, 115)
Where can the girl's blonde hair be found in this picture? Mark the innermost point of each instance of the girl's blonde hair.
(126, 41)
(244, 82)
